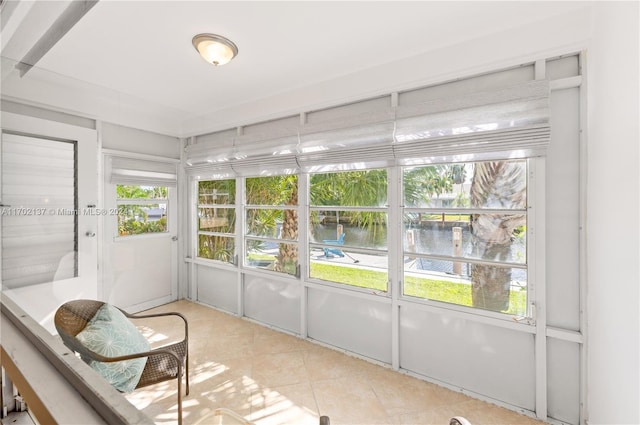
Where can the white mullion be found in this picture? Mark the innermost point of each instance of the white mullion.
(207, 233)
(468, 260)
(193, 196)
(240, 243)
(355, 209)
(465, 211)
(582, 279)
(395, 244)
(228, 206)
(270, 207)
(272, 240)
(536, 253)
(342, 247)
(303, 248)
(141, 201)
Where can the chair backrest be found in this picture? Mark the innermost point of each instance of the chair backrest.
(71, 318)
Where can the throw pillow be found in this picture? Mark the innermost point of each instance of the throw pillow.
(111, 334)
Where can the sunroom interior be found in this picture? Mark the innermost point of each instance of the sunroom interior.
(396, 226)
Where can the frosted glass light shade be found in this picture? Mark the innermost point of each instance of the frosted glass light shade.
(215, 49)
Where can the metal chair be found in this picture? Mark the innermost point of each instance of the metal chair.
(163, 363)
(334, 251)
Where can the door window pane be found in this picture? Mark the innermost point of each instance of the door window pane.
(141, 209)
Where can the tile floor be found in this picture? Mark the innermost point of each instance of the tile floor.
(269, 377)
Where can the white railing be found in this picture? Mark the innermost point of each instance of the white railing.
(56, 385)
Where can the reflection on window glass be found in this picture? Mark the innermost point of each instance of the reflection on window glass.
(452, 235)
(340, 265)
(477, 255)
(141, 209)
(271, 216)
(215, 247)
(216, 220)
(362, 229)
(462, 185)
(217, 192)
(278, 257)
(273, 190)
(350, 188)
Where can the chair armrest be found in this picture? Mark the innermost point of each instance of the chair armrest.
(170, 313)
(100, 358)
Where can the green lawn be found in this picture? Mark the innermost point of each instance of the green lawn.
(433, 289)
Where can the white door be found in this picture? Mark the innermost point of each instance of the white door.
(49, 210)
(140, 248)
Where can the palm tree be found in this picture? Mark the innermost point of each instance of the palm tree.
(497, 185)
(287, 259)
(275, 190)
(214, 192)
(352, 188)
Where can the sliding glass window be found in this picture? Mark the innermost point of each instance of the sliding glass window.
(465, 234)
(271, 217)
(348, 228)
(217, 220)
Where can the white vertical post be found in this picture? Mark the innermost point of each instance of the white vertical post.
(535, 276)
(395, 239)
(303, 250)
(457, 248)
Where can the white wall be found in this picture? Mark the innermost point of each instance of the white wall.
(608, 31)
(612, 217)
(559, 35)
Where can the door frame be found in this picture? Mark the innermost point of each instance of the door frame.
(110, 234)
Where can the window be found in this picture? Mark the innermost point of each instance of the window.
(217, 220)
(465, 234)
(271, 217)
(348, 228)
(141, 209)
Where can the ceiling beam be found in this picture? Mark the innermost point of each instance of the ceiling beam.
(69, 17)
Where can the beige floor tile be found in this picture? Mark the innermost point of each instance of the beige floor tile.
(234, 394)
(349, 401)
(275, 370)
(323, 363)
(427, 416)
(239, 345)
(272, 378)
(400, 393)
(289, 404)
(268, 341)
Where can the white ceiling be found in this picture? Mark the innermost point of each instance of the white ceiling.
(141, 50)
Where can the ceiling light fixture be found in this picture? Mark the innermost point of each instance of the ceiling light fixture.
(214, 48)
